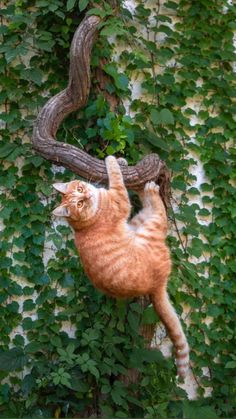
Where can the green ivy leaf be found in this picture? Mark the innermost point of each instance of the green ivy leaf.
(6, 149)
(121, 80)
(97, 12)
(83, 4)
(94, 371)
(231, 365)
(166, 117)
(13, 360)
(191, 411)
(28, 384)
(155, 117)
(149, 316)
(70, 4)
(156, 141)
(28, 305)
(33, 74)
(33, 347)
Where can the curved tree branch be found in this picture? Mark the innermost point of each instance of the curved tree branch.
(73, 98)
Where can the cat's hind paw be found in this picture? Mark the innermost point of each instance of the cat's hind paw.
(122, 161)
(151, 187)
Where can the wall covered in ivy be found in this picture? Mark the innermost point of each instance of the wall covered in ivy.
(170, 89)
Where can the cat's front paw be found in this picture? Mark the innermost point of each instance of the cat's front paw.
(151, 187)
(112, 166)
(110, 161)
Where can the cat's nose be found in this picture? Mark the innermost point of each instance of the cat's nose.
(87, 195)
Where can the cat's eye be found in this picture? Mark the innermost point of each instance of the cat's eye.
(80, 204)
(80, 189)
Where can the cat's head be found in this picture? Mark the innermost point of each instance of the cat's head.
(79, 201)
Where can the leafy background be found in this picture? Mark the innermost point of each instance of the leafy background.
(63, 346)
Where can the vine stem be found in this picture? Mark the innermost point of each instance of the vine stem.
(71, 99)
(177, 229)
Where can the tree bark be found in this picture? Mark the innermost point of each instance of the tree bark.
(74, 97)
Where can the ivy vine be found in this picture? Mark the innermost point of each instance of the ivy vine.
(63, 345)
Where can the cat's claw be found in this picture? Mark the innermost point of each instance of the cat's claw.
(151, 187)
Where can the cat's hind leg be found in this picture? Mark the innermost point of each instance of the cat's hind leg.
(153, 212)
(151, 199)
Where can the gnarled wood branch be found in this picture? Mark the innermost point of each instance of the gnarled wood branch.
(73, 98)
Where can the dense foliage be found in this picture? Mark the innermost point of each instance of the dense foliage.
(64, 346)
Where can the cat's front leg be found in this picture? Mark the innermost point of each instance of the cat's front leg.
(116, 183)
(114, 173)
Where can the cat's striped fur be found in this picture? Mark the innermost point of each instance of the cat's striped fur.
(124, 258)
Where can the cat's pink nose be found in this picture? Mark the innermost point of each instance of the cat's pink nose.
(87, 195)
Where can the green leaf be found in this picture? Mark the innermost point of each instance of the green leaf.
(83, 4)
(117, 397)
(13, 360)
(166, 117)
(231, 365)
(28, 305)
(191, 411)
(11, 54)
(112, 29)
(133, 320)
(138, 356)
(35, 160)
(155, 117)
(68, 281)
(27, 323)
(156, 141)
(33, 347)
(121, 80)
(105, 389)
(171, 5)
(65, 382)
(42, 280)
(56, 341)
(70, 4)
(149, 316)
(97, 12)
(13, 307)
(204, 212)
(19, 340)
(28, 383)
(33, 74)
(7, 149)
(94, 371)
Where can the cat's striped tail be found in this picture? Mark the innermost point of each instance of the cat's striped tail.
(171, 321)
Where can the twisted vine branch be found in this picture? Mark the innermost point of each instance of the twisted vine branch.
(73, 98)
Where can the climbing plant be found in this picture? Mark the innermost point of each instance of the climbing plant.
(169, 88)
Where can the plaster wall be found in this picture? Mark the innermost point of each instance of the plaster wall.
(160, 341)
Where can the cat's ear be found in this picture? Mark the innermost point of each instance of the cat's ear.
(61, 211)
(61, 187)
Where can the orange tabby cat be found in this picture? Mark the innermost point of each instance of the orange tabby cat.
(124, 258)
